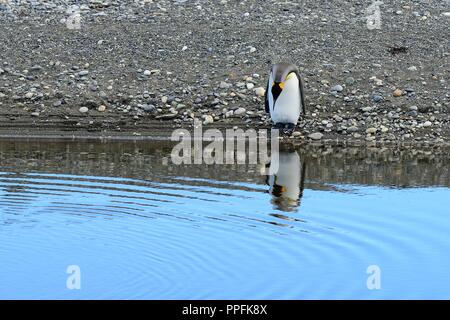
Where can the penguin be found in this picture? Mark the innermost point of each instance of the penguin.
(286, 186)
(284, 99)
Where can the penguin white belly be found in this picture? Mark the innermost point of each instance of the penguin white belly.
(289, 175)
(287, 106)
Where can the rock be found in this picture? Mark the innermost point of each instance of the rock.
(147, 73)
(225, 85)
(250, 86)
(239, 111)
(446, 14)
(83, 73)
(296, 134)
(35, 114)
(412, 68)
(337, 88)
(315, 136)
(252, 49)
(397, 93)
(260, 91)
(352, 129)
(83, 109)
(214, 103)
(425, 109)
(377, 98)
(29, 95)
(384, 129)
(164, 99)
(36, 68)
(148, 108)
(413, 108)
(349, 81)
(228, 113)
(427, 124)
(101, 108)
(57, 103)
(208, 119)
(371, 130)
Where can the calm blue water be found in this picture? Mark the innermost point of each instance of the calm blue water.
(179, 237)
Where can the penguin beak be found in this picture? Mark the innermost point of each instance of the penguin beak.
(280, 85)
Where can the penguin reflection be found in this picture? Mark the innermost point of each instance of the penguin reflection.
(286, 186)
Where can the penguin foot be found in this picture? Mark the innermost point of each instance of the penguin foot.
(286, 129)
(279, 126)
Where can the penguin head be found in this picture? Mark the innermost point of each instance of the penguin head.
(279, 75)
(278, 190)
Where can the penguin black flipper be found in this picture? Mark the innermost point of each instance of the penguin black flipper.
(266, 98)
(302, 97)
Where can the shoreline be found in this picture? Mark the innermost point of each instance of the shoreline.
(165, 136)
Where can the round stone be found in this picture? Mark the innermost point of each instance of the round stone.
(316, 136)
(260, 91)
(208, 119)
(239, 111)
(224, 85)
(337, 88)
(349, 81)
(377, 98)
(397, 93)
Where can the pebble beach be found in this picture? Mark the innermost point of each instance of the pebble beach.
(137, 68)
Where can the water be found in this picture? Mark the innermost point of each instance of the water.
(139, 228)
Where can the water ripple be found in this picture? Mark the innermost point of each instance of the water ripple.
(178, 237)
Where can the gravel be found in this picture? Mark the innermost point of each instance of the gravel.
(140, 64)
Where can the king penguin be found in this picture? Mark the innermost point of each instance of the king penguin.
(287, 184)
(284, 98)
